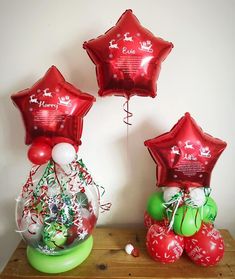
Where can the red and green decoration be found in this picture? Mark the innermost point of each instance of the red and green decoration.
(58, 206)
(183, 208)
(57, 211)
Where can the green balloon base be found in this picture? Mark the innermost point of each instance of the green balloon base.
(60, 263)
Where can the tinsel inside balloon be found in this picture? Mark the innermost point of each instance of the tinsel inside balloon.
(58, 207)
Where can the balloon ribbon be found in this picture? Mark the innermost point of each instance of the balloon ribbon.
(128, 113)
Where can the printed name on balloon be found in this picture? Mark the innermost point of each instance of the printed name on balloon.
(145, 46)
(125, 50)
(188, 145)
(46, 105)
(61, 101)
(190, 157)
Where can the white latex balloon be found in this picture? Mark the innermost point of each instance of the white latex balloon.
(31, 227)
(63, 153)
(197, 196)
(169, 192)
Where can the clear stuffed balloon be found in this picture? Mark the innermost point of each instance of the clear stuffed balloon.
(58, 207)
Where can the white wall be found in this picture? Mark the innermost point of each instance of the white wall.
(198, 76)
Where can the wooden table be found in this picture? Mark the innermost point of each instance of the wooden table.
(108, 260)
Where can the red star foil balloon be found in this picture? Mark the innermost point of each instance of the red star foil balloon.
(53, 107)
(128, 58)
(185, 156)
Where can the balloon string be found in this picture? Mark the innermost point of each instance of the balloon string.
(173, 214)
(57, 178)
(126, 121)
(175, 201)
(207, 191)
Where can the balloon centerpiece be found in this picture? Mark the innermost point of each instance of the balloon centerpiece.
(58, 209)
(128, 60)
(185, 157)
(58, 206)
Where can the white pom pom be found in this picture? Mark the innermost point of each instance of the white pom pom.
(129, 248)
(169, 192)
(197, 196)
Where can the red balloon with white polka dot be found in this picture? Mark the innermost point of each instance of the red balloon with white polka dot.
(164, 245)
(206, 247)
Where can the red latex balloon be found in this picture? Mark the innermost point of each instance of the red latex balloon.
(185, 156)
(206, 247)
(88, 224)
(72, 234)
(93, 220)
(55, 140)
(149, 221)
(53, 108)
(39, 153)
(128, 58)
(164, 246)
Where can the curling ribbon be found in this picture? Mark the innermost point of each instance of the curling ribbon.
(207, 191)
(174, 202)
(105, 207)
(128, 113)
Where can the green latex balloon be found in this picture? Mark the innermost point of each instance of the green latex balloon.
(155, 206)
(187, 221)
(209, 211)
(61, 263)
(55, 235)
